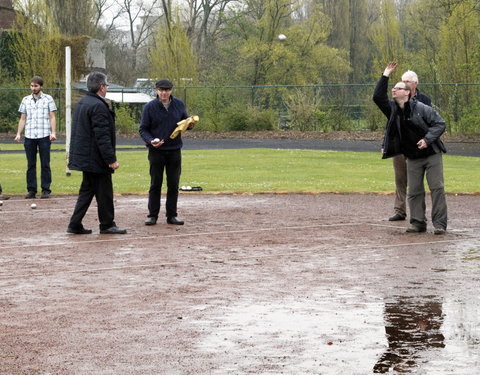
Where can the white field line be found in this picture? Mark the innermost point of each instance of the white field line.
(219, 260)
(123, 238)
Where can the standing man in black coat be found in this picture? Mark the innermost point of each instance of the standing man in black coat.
(414, 130)
(159, 120)
(92, 151)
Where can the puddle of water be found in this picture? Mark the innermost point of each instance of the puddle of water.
(298, 336)
(421, 334)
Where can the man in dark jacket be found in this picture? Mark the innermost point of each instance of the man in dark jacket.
(159, 120)
(399, 162)
(92, 151)
(414, 130)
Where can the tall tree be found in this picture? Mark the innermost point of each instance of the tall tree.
(359, 44)
(385, 36)
(460, 43)
(82, 12)
(36, 48)
(142, 19)
(171, 55)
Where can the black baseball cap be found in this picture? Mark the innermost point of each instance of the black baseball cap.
(164, 84)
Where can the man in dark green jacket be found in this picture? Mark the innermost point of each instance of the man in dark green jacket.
(414, 130)
(92, 151)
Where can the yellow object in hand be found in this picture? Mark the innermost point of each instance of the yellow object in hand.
(184, 125)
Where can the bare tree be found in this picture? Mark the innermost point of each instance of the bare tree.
(204, 20)
(102, 7)
(142, 18)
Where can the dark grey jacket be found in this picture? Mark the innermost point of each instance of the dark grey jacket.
(421, 115)
(92, 142)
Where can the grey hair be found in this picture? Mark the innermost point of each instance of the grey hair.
(95, 80)
(411, 75)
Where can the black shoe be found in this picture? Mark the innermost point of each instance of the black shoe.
(415, 229)
(439, 231)
(45, 195)
(151, 221)
(113, 230)
(174, 220)
(30, 195)
(79, 231)
(397, 217)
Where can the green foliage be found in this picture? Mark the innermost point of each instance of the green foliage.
(125, 120)
(171, 55)
(385, 37)
(469, 122)
(9, 102)
(241, 118)
(259, 57)
(7, 58)
(36, 47)
(375, 119)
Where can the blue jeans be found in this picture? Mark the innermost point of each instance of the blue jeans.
(43, 146)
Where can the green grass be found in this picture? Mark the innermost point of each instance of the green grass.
(252, 171)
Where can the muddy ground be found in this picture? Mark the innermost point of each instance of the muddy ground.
(251, 284)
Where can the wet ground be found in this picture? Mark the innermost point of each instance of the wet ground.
(252, 284)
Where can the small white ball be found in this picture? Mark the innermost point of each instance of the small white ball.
(282, 36)
(33, 206)
(156, 140)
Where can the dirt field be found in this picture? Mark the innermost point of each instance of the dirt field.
(251, 284)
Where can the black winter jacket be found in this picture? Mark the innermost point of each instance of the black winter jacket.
(421, 115)
(92, 143)
(158, 122)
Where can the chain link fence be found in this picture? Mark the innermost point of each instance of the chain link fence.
(297, 107)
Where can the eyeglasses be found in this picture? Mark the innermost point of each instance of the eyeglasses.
(399, 88)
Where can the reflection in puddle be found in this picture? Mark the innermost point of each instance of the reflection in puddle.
(334, 333)
(412, 326)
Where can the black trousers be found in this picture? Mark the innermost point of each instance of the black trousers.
(98, 185)
(171, 162)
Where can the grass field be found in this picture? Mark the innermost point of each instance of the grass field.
(252, 171)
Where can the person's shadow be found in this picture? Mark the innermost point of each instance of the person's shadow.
(412, 326)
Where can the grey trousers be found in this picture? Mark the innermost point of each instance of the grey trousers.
(432, 167)
(400, 169)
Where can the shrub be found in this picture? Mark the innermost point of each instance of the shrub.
(469, 122)
(9, 103)
(125, 122)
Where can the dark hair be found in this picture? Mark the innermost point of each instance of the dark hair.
(38, 80)
(95, 80)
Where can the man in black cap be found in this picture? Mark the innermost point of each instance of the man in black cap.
(159, 120)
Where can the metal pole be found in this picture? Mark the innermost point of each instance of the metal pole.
(68, 104)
